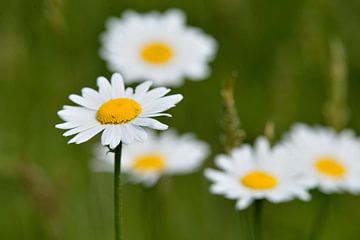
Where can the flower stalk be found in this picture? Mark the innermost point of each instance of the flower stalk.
(336, 115)
(320, 217)
(233, 135)
(258, 219)
(117, 191)
(245, 224)
(336, 110)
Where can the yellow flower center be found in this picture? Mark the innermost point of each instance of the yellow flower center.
(259, 180)
(149, 163)
(157, 53)
(118, 111)
(330, 167)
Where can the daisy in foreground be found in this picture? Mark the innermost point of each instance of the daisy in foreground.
(332, 159)
(157, 47)
(258, 172)
(165, 154)
(120, 113)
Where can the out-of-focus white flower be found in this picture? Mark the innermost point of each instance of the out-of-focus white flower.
(157, 47)
(258, 172)
(166, 154)
(121, 113)
(332, 159)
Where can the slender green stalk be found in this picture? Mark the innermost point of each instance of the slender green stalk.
(336, 109)
(336, 115)
(245, 227)
(155, 222)
(233, 135)
(258, 207)
(162, 194)
(321, 215)
(117, 192)
(150, 214)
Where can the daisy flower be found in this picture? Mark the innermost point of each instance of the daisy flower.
(332, 159)
(120, 113)
(258, 172)
(157, 47)
(166, 154)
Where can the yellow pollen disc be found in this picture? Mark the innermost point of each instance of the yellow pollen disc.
(118, 111)
(157, 53)
(153, 163)
(258, 180)
(330, 167)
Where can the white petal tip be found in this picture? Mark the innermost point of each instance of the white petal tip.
(163, 127)
(179, 97)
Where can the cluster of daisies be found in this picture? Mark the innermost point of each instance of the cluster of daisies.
(307, 157)
(154, 49)
(159, 49)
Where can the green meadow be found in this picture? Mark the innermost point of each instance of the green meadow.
(282, 55)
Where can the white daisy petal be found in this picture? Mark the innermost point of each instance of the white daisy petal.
(139, 133)
(215, 175)
(157, 115)
(129, 92)
(243, 203)
(142, 89)
(105, 88)
(162, 104)
(154, 94)
(127, 136)
(117, 83)
(86, 135)
(67, 125)
(175, 18)
(79, 114)
(151, 123)
(79, 129)
(82, 102)
(92, 95)
(106, 137)
(115, 137)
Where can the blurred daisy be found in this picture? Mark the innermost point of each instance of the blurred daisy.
(120, 113)
(157, 47)
(332, 159)
(258, 173)
(167, 154)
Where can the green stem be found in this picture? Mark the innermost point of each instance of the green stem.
(155, 219)
(117, 191)
(258, 219)
(150, 206)
(245, 226)
(337, 112)
(320, 218)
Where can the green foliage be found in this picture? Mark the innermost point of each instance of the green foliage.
(49, 49)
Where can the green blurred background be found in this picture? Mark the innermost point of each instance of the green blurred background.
(49, 49)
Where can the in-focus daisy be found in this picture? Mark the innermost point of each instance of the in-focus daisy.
(166, 154)
(332, 159)
(157, 47)
(120, 113)
(258, 173)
